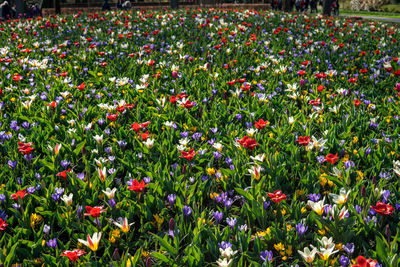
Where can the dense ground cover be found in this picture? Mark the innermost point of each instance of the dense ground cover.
(199, 137)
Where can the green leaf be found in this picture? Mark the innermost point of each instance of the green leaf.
(244, 193)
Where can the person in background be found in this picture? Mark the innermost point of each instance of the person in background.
(6, 10)
(106, 6)
(126, 5)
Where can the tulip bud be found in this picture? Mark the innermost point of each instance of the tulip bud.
(174, 74)
(171, 224)
(84, 151)
(388, 233)
(302, 82)
(363, 191)
(148, 262)
(398, 87)
(116, 255)
(184, 169)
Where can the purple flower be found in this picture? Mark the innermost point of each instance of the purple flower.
(301, 229)
(52, 243)
(64, 164)
(2, 198)
(31, 189)
(12, 164)
(187, 211)
(218, 216)
(228, 203)
(231, 222)
(238, 117)
(217, 155)
(266, 204)
(344, 261)
(46, 229)
(214, 130)
(321, 159)
(385, 196)
(55, 197)
(348, 248)
(171, 199)
(314, 197)
(81, 176)
(196, 136)
(224, 245)
(147, 180)
(266, 255)
(112, 203)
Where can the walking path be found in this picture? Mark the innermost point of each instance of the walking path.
(395, 20)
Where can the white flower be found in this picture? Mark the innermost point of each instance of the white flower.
(396, 167)
(325, 242)
(317, 207)
(180, 147)
(93, 242)
(149, 142)
(342, 212)
(259, 157)
(250, 132)
(110, 192)
(255, 172)
(324, 253)
(291, 120)
(169, 124)
(184, 141)
(227, 253)
(98, 138)
(124, 225)
(292, 87)
(224, 262)
(218, 146)
(308, 255)
(67, 199)
(342, 197)
(102, 173)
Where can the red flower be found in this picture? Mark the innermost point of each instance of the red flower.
(112, 116)
(247, 142)
(303, 140)
(21, 194)
(188, 155)
(81, 86)
(357, 102)
(63, 174)
(144, 136)
(320, 88)
(277, 196)
(137, 187)
(261, 124)
(188, 104)
(95, 211)
(25, 148)
(331, 158)
(139, 126)
(172, 99)
(383, 209)
(73, 255)
(396, 73)
(2, 225)
(315, 102)
(363, 262)
(353, 80)
(301, 73)
(52, 105)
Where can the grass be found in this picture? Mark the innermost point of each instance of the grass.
(370, 13)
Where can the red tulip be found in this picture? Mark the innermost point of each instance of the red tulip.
(112, 116)
(261, 124)
(382, 209)
(188, 155)
(63, 174)
(2, 225)
(25, 148)
(95, 211)
(81, 86)
(73, 255)
(331, 158)
(303, 140)
(137, 187)
(277, 196)
(363, 262)
(20, 194)
(247, 142)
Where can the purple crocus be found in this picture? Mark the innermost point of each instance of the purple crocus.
(52, 243)
(218, 216)
(301, 229)
(348, 248)
(231, 222)
(187, 211)
(171, 199)
(12, 164)
(224, 245)
(344, 261)
(266, 255)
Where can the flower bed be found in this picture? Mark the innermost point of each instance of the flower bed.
(199, 137)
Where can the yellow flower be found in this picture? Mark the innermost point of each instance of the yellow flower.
(355, 151)
(355, 139)
(210, 171)
(299, 193)
(145, 254)
(114, 234)
(279, 246)
(360, 175)
(303, 209)
(338, 246)
(284, 258)
(213, 195)
(289, 250)
(35, 219)
(129, 262)
(288, 227)
(321, 232)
